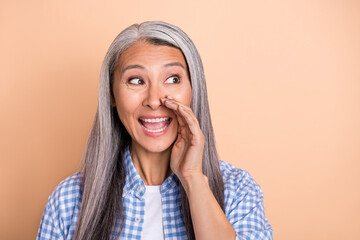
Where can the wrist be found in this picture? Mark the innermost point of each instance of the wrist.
(193, 181)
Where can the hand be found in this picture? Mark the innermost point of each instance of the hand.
(187, 151)
(209, 221)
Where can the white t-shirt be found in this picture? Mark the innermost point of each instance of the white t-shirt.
(153, 225)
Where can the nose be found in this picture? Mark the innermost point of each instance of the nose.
(152, 99)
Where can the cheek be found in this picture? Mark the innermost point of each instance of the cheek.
(183, 96)
(127, 103)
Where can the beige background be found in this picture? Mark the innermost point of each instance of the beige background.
(284, 87)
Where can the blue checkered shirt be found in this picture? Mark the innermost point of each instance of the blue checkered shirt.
(244, 206)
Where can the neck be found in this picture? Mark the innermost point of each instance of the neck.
(153, 167)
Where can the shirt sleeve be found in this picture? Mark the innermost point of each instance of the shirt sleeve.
(61, 212)
(50, 225)
(245, 209)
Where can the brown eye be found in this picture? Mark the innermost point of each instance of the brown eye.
(136, 81)
(173, 79)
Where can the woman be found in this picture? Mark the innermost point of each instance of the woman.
(151, 169)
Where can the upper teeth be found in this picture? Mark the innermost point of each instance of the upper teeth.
(153, 120)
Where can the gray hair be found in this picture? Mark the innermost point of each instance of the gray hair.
(103, 172)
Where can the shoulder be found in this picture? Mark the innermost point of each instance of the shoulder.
(62, 209)
(238, 184)
(244, 205)
(237, 179)
(67, 190)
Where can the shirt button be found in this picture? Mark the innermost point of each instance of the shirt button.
(137, 219)
(125, 191)
(139, 189)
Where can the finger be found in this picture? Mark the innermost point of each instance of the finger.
(193, 124)
(169, 104)
(178, 103)
(181, 120)
(174, 105)
(188, 110)
(186, 113)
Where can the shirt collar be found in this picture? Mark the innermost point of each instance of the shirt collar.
(134, 183)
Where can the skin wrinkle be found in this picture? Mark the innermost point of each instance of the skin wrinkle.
(141, 67)
(154, 65)
(108, 137)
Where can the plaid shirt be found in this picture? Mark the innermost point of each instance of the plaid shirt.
(244, 206)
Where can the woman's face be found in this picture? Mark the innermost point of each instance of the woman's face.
(146, 73)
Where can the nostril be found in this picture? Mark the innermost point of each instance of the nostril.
(153, 97)
(153, 104)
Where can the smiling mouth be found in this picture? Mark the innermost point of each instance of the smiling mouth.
(155, 125)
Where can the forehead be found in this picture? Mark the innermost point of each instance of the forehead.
(148, 54)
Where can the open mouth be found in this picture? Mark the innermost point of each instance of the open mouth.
(155, 125)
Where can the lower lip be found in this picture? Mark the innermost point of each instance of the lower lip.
(155, 134)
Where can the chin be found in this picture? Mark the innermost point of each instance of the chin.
(157, 146)
(154, 144)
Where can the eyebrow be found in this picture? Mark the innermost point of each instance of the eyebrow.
(141, 67)
(132, 67)
(174, 64)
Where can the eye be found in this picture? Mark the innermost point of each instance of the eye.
(173, 79)
(136, 81)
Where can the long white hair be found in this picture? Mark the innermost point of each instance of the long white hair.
(103, 171)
